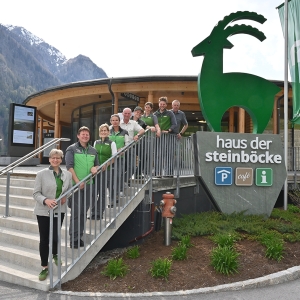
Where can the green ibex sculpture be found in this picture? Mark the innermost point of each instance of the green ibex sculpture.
(218, 91)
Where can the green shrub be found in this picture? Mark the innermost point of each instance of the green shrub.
(292, 237)
(186, 241)
(179, 252)
(161, 267)
(133, 252)
(293, 208)
(115, 268)
(225, 239)
(273, 241)
(275, 251)
(287, 215)
(224, 260)
(268, 237)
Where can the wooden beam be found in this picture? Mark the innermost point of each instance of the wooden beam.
(41, 137)
(241, 120)
(56, 121)
(150, 96)
(116, 95)
(231, 120)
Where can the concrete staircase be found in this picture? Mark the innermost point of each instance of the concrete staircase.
(19, 243)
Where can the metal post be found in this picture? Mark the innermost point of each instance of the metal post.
(7, 195)
(286, 96)
(50, 264)
(168, 231)
(178, 157)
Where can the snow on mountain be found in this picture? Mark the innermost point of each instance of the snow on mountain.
(35, 41)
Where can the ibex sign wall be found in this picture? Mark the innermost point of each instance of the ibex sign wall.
(218, 91)
(240, 172)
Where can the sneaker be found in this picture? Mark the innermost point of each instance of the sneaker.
(43, 275)
(55, 258)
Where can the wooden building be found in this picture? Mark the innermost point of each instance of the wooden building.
(63, 109)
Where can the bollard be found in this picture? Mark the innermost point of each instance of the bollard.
(168, 212)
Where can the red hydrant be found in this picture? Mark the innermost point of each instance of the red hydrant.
(168, 212)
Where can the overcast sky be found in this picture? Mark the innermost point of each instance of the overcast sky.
(142, 37)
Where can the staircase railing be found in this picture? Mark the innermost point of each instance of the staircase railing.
(8, 169)
(124, 178)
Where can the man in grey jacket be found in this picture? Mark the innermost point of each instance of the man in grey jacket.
(81, 160)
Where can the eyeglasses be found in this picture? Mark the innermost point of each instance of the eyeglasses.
(57, 158)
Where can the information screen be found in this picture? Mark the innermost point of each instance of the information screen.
(23, 126)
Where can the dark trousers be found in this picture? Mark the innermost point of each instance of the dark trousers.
(44, 230)
(130, 164)
(103, 182)
(78, 212)
(119, 168)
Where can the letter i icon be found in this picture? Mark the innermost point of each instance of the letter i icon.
(263, 177)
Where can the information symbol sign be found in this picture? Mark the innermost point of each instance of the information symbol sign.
(264, 177)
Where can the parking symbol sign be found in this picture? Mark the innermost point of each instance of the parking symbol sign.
(223, 176)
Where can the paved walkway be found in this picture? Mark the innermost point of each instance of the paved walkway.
(272, 287)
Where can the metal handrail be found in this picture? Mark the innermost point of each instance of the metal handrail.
(31, 154)
(128, 150)
(7, 170)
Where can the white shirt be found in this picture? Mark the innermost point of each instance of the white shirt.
(132, 127)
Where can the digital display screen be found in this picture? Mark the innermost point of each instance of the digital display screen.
(23, 126)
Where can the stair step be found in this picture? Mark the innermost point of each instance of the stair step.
(19, 182)
(22, 224)
(17, 211)
(16, 190)
(20, 256)
(20, 238)
(28, 277)
(18, 200)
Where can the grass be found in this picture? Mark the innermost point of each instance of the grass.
(161, 268)
(133, 252)
(115, 268)
(179, 252)
(186, 241)
(224, 260)
(224, 230)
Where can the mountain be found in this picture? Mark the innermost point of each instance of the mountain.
(78, 69)
(28, 64)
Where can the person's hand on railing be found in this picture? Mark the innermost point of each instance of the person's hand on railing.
(103, 168)
(93, 170)
(179, 136)
(51, 203)
(152, 128)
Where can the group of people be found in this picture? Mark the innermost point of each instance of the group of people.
(83, 159)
